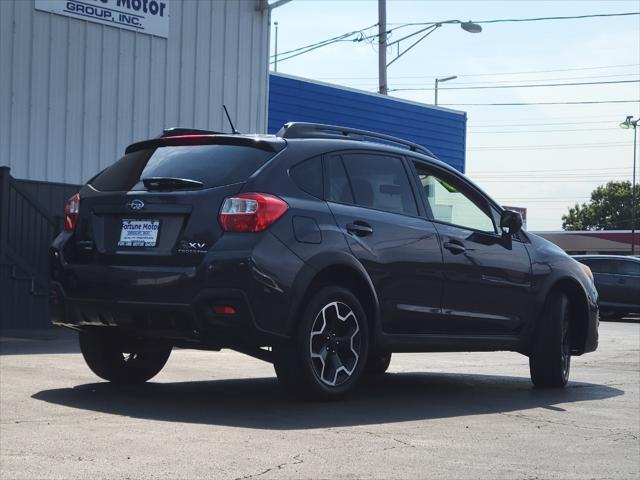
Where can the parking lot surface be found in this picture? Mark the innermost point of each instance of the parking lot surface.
(223, 415)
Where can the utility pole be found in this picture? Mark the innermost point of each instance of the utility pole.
(633, 191)
(275, 63)
(631, 123)
(382, 46)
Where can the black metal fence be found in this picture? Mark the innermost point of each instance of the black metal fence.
(31, 215)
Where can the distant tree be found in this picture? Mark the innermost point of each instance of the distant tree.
(608, 209)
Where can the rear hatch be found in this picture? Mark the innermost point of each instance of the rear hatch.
(159, 204)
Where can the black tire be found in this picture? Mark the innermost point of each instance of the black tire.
(378, 363)
(112, 361)
(550, 356)
(327, 356)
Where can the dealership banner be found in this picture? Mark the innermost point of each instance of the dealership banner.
(144, 16)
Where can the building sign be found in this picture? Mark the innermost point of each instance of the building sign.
(145, 16)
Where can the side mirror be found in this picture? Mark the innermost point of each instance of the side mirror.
(512, 221)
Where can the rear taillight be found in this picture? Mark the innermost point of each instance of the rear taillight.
(251, 212)
(72, 212)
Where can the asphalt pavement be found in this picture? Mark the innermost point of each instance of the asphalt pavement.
(223, 415)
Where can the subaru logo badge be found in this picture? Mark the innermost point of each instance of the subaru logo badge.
(136, 204)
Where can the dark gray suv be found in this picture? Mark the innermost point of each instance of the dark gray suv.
(617, 279)
(321, 249)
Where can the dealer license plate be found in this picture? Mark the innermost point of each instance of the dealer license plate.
(139, 233)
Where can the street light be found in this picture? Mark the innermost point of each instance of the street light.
(471, 27)
(627, 124)
(426, 31)
(440, 80)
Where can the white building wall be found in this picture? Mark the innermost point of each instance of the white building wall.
(74, 94)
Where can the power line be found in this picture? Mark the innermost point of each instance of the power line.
(535, 19)
(361, 37)
(485, 87)
(554, 174)
(546, 131)
(423, 79)
(322, 42)
(420, 85)
(520, 72)
(535, 103)
(577, 169)
(582, 77)
(596, 180)
(562, 145)
(545, 117)
(541, 124)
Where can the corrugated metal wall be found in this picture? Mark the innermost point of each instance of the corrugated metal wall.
(74, 93)
(441, 130)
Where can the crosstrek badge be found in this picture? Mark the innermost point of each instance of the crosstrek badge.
(186, 246)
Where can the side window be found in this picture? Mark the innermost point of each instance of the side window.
(629, 267)
(380, 182)
(337, 188)
(449, 205)
(602, 266)
(308, 176)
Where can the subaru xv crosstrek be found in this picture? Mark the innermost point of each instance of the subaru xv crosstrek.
(321, 249)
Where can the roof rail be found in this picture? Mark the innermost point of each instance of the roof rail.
(319, 130)
(179, 131)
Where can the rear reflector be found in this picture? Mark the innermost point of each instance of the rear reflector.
(224, 310)
(71, 213)
(251, 212)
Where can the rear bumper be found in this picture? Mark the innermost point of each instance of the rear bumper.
(196, 321)
(178, 302)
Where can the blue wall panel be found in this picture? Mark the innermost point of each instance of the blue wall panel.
(440, 130)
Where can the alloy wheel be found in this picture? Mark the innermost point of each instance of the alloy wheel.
(334, 344)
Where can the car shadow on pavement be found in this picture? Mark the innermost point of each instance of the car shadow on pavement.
(262, 404)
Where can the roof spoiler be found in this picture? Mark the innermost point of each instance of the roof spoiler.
(179, 131)
(208, 138)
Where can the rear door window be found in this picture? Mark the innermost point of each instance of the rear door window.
(380, 181)
(212, 165)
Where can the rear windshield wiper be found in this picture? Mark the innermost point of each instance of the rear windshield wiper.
(171, 183)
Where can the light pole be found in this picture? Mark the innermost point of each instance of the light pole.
(275, 63)
(440, 80)
(631, 123)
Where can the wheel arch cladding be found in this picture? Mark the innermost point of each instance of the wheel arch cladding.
(578, 311)
(350, 278)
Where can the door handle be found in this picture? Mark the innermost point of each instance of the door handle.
(454, 247)
(622, 281)
(359, 228)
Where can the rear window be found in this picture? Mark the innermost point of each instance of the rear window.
(212, 165)
(308, 176)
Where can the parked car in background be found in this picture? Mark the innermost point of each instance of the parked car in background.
(314, 249)
(617, 279)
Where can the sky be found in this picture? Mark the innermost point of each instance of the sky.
(542, 157)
